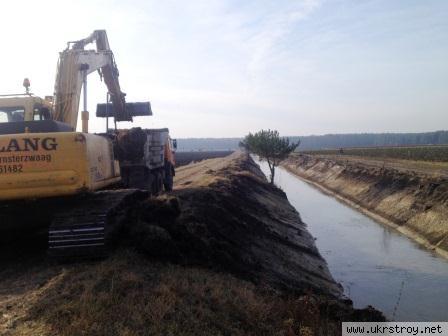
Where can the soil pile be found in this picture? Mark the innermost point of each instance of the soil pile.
(225, 216)
(414, 201)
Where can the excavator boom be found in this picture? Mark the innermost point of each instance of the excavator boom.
(75, 63)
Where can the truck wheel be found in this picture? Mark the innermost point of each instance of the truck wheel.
(168, 176)
(157, 183)
(168, 182)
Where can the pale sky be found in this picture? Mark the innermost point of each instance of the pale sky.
(224, 68)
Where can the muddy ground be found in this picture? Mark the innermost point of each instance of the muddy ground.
(223, 254)
(409, 196)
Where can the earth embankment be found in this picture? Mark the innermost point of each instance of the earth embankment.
(247, 226)
(410, 196)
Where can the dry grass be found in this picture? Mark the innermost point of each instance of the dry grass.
(129, 295)
(436, 153)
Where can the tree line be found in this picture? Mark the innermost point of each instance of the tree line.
(328, 141)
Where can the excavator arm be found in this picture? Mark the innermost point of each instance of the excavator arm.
(75, 63)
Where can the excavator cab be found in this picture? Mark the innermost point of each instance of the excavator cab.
(17, 108)
(28, 114)
(41, 157)
(12, 114)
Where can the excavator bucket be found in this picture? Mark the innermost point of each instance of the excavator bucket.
(132, 109)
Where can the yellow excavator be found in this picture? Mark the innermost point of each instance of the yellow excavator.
(79, 182)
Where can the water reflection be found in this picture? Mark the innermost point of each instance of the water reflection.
(387, 237)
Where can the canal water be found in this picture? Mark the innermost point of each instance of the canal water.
(376, 265)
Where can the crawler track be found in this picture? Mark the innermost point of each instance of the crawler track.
(82, 226)
(83, 230)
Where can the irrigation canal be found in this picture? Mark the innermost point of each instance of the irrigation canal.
(376, 265)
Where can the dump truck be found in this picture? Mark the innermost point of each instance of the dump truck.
(76, 183)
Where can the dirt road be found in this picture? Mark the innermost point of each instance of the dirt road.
(184, 158)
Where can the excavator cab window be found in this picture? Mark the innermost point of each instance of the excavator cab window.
(41, 113)
(11, 114)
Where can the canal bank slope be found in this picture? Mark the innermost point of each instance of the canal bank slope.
(413, 201)
(223, 254)
(236, 221)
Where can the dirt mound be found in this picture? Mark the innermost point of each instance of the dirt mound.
(230, 219)
(415, 202)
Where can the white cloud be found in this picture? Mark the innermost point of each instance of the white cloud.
(273, 28)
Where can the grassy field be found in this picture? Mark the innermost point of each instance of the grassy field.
(438, 153)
